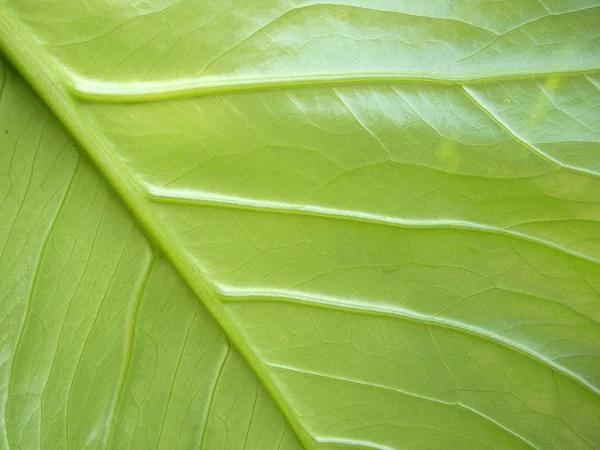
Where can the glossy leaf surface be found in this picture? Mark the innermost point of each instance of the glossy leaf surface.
(272, 224)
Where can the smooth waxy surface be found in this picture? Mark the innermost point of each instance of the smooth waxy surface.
(322, 225)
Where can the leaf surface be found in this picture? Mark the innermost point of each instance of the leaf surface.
(330, 225)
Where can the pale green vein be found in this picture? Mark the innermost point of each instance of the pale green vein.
(485, 416)
(282, 436)
(212, 395)
(70, 301)
(214, 200)
(480, 103)
(249, 427)
(354, 444)
(409, 394)
(44, 247)
(361, 307)
(174, 379)
(91, 330)
(148, 91)
(560, 409)
(129, 355)
(30, 178)
(592, 81)
(362, 383)
(360, 123)
(35, 68)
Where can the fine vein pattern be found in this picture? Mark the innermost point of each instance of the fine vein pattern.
(285, 224)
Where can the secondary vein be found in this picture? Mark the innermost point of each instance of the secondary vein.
(150, 91)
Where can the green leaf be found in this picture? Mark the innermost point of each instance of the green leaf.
(272, 224)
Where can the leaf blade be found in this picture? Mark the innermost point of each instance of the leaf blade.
(271, 209)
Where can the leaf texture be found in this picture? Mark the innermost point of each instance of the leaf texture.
(345, 224)
(108, 347)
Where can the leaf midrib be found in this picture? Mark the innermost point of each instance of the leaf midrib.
(33, 65)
